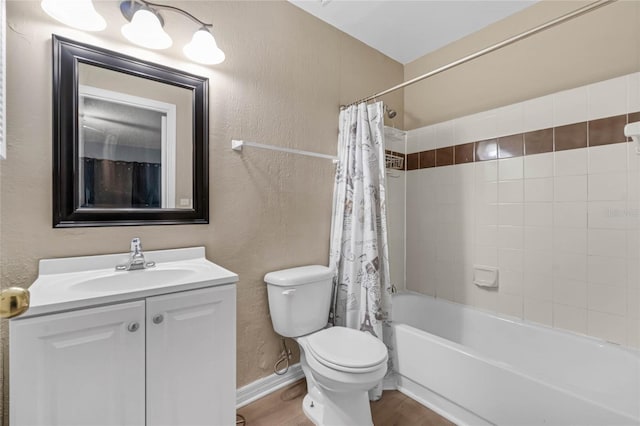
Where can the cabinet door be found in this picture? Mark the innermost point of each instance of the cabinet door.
(83, 367)
(191, 358)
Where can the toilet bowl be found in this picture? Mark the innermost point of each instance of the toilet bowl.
(339, 372)
(339, 364)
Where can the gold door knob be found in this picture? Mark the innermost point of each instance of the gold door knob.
(13, 302)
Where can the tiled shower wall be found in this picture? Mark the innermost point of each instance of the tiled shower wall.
(548, 191)
(395, 190)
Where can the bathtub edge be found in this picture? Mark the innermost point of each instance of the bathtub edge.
(439, 404)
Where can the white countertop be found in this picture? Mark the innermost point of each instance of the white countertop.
(80, 282)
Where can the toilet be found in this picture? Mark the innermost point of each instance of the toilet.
(340, 364)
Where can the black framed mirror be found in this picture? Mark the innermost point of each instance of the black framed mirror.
(130, 140)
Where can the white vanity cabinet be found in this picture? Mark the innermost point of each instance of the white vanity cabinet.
(83, 367)
(191, 358)
(163, 355)
(98, 366)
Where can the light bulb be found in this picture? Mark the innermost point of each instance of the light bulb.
(146, 30)
(203, 48)
(78, 14)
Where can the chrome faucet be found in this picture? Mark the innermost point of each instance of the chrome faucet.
(136, 258)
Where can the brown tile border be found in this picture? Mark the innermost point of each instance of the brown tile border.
(486, 150)
(428, 159)
(607, 130)
(511, 146)
(571, 136)
(604, 131)
(413, 161)
(464, 153)
(538, 142)
(444, 156)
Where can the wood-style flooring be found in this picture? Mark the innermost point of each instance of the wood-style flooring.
(284, 408)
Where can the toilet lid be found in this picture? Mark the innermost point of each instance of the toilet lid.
(338, 347)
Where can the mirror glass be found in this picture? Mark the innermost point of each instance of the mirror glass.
(134, 139)
(130, 140)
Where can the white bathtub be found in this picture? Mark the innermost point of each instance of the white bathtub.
(476, 368)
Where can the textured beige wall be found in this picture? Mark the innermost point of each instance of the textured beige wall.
(285, 76)
(602, 44)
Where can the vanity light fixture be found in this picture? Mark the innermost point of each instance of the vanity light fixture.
(145, 29)
(78, 14)
(203, 48)
(145, 26)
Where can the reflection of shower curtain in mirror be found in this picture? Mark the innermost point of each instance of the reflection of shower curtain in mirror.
(121, 184)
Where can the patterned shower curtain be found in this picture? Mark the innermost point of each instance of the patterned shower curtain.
(359, 253)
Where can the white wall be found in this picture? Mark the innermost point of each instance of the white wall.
(561, 226)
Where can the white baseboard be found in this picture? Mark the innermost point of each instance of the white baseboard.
(263, 387)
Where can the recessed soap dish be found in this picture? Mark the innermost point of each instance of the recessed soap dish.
(485, 276)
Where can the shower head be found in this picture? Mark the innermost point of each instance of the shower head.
(391, 113)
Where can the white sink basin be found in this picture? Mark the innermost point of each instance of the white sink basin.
(129, 280)
(78, 282)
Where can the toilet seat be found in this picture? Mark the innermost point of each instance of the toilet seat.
(347, 350)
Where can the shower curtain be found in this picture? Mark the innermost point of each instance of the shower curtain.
(359, 253)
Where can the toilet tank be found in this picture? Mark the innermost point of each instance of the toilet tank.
(299, 299)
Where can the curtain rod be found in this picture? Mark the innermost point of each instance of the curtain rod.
(574, 14)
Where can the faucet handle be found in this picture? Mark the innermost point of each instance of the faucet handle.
(136, 258)
(136, 245)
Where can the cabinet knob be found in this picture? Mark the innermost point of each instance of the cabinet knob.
(133, 327)
(157, 319)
